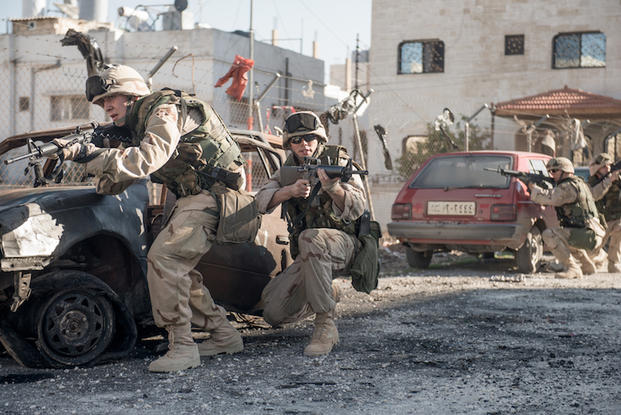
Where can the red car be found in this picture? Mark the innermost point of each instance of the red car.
(453, 203)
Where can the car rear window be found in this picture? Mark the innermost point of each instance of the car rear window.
(463, 171)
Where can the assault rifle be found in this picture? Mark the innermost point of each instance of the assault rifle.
(537, 178)
(308, 171)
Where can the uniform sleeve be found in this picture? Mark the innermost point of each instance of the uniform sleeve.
(265, 194)
(560, 195)
(159, 142)
(600, 189)
(355, 200)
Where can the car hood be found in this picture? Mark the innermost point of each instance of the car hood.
(53, 198)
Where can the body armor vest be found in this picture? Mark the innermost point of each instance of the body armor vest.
(609, 205)
(203, 156)
(577, 213)
(318, 211)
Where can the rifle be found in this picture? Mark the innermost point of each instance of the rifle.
(308, 171)
(537, 178)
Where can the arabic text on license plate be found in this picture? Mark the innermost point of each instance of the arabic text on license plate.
(450, 208)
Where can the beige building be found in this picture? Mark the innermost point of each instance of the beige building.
(429, 54)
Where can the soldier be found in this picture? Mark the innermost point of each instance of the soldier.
(181, 142)
(322, 233)
(606, 190)
(579, 229)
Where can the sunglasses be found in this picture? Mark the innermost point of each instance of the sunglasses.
(553, 170)
(301, 122)
(308, 138)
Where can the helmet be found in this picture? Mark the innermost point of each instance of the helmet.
(115, 79)
(602, 159)
(303, 123)
(562, 163)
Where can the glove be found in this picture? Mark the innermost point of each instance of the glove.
(78, 152)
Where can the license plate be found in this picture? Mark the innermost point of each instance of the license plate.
(451, 208)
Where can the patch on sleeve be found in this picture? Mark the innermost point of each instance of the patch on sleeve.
(166, 112)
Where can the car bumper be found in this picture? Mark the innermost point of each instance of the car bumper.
(453, 233)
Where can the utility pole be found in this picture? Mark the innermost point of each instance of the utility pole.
(250, 121)
(357, 60)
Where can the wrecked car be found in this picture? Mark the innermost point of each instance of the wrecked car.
(73, 287)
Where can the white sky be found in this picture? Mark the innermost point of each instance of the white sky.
(333, 23)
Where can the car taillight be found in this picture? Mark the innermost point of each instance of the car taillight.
(503, 212)
(401, 211)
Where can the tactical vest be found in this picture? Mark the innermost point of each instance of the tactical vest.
(319, 213)
(207, 149)
(577, 213)
(609, 205)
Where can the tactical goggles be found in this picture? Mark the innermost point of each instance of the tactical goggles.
(602, 160)
(298, 139)
(553, 170)
(96, 85)
(301, 122)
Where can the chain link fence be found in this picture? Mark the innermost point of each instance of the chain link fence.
(44, 96)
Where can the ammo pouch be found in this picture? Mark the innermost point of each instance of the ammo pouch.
(582, 238)
(239, 217)
(364, 267)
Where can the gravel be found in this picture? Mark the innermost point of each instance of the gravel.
(465, 336)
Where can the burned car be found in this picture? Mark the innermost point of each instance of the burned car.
(73, 287)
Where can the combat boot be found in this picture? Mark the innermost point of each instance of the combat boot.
(325, 335)
(182, 351)
(613, 268)
(588, 267)
(222, 339)
(573, 271)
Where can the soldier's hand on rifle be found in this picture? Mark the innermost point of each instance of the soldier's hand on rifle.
(614, 176)
(72, 150)
(327, 184)
(301, 188)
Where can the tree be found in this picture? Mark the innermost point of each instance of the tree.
(437, 143)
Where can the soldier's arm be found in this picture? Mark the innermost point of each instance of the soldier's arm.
(560, 195)
(159, 142)
(273, 194)
(600, 189)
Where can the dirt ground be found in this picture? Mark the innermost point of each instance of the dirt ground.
(466, 336)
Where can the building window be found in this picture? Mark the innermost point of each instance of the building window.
(69, 107)
(24, 103)
(514, 44)
(423, 56)
(579, 50)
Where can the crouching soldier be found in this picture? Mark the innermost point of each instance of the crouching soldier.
(322, 232)
(580, 230)
(606, 190)
(181, 142)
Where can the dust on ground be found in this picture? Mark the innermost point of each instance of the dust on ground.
(466, 336)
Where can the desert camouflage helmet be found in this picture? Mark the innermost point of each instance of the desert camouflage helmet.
(602, 159)
(303, 123)
(562, 163)
(116, 79)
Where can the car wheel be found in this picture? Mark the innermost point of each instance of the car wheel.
(528, 256)
(75, 326)
(418, 259)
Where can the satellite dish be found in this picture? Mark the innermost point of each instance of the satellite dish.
(181, 5)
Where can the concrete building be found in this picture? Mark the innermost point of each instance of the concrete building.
(44, 82)
(428, 55)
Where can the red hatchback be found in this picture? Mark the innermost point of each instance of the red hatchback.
(453, 203)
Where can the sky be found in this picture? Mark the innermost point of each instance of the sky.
(334, 24)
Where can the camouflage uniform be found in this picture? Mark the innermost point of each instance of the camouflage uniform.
(579, 231)
(161, 126)
(607, 194)
(325, 242)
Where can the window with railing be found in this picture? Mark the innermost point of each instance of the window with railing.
(421, 56)
(579, 50)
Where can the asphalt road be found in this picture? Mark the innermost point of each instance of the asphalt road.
(460, 338)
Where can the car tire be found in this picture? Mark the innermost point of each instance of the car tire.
(74, 318)
(529, 255)
(417, 259)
